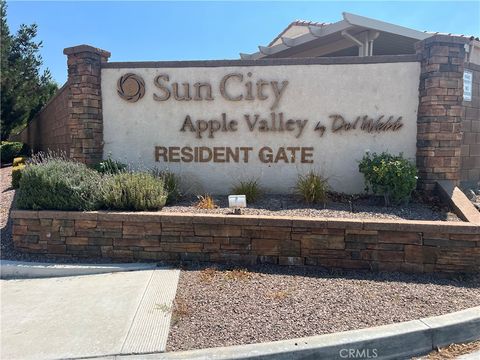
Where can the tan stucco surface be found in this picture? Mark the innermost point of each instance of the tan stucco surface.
(132, 130)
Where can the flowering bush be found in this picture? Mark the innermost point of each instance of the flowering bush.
(55, 183)
(133, 191)
(171, 184)
(392, 176)
(110, 166)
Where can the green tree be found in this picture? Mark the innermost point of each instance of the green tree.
(24, 88)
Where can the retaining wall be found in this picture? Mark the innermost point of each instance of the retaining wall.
(410, 246)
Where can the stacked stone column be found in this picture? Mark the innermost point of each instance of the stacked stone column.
(440, 112)
(85, 102)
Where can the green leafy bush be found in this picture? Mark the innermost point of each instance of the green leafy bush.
(10, 150)
(133, 191)
(171, 183)
(312, 187)
(17, 175)
(110, 166)
(50, 183)
(392, 176)
(250, 188)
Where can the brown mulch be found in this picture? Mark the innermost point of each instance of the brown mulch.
(268, 303)
(452, 351)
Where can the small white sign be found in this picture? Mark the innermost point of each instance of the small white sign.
(237, 201)
(467, 85)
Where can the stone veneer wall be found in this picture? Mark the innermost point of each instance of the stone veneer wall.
(72, 121)
(410, 246)
(470, 164)
(440, 112)
(49, 129)
(85, 102)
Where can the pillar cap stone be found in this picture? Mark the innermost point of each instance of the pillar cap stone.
(86, 48)
(452, 39)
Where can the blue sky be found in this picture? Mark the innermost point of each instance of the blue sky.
(136, 31)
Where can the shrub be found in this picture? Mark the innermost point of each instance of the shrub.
(250, 188)
(205, 202)
(19, 160)
(391, 176)
(134, 191)
(171, 184)
(10, 150)
(110, 166)
(312, 187)
(51, 183)
(17, 175)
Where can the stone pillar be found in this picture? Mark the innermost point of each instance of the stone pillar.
(85, 102)
(440, 112)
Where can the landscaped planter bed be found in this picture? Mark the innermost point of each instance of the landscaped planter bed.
(361, 207)
(399, 245)
(268, 303)
(369, 238)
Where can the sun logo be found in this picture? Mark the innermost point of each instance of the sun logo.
(131, 87)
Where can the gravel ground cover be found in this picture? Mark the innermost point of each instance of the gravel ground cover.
(359, 208)
(6, 199)
(222, 307)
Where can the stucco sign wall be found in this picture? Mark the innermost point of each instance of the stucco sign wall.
(214, 126)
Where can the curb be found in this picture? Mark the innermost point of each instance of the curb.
(31, 270)
(395, 341)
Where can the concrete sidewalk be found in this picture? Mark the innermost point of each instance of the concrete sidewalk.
(83, 316)
(472, 356)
